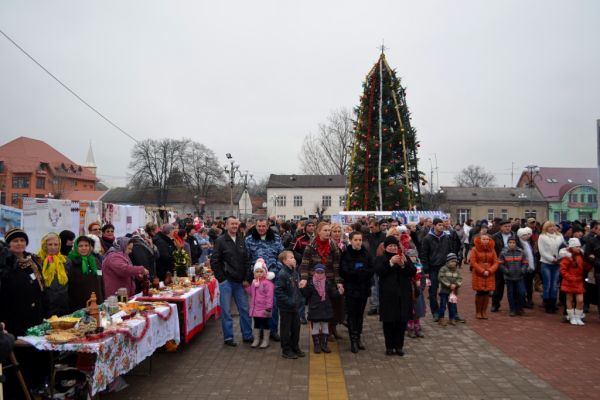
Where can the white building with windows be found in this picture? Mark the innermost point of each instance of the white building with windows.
(301, 196)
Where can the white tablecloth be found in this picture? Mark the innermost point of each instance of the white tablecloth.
(118, 354)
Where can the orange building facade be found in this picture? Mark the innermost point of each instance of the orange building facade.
(32, 168)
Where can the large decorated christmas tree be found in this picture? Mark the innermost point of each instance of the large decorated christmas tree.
(383, 173)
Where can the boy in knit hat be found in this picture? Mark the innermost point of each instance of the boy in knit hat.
(450, 280)
(513, 264)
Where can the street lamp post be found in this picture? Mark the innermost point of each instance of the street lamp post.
(246, 178)
(533, 171)
(275, 197)
(231, 170)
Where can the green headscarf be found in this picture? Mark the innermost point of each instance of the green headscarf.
(87, 262)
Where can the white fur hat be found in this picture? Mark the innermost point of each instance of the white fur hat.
(97, 247)
(564, 253)
(574, 242)
(403, 228)
(524, 231)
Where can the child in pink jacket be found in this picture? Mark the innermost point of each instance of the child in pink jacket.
(260, 293)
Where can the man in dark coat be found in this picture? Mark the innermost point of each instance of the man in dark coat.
(356, 268)
(434, 250)
(165, 245)
(144, 253)
(500, 239)
(396, 273)
(229, 262)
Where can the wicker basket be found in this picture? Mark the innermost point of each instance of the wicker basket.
(62, 325)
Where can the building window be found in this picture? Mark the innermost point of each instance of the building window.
(280, 201)
(15, 198)
(298, 217)
(572, 197)
(40, 183)
(281, 217)
(592, 198)
(463, 214)
(326, 202)
(560, 216)
(342, 200)
(490, 216)
(504, 214)
(297, 201)
(530, 214)
(327, 217)
(20, 182)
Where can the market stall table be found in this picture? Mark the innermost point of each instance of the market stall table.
(118, 353)
(196, 307)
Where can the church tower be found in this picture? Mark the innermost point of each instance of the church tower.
(90, 163)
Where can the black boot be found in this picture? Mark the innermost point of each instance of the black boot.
(316, 344)
(360, 344)
(324, 346)
(353, 344)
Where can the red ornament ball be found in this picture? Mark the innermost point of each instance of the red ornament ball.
(401, 190)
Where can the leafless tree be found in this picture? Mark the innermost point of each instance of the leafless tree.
(200, 170)
(156, 164)
(328, 152)
(258, 188)
(475, 176)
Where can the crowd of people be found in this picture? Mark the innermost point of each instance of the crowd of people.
(282, 274)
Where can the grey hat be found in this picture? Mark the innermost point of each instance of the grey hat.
(451, 257)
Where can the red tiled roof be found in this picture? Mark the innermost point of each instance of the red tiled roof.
(554, 182)
(24, 155)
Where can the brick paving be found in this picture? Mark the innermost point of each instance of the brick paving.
(533, 357)
(563, 355)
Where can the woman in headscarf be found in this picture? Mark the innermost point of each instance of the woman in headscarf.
(55, 270)
(66, 242)
(396, 274)
(117, 269)
(85, 274)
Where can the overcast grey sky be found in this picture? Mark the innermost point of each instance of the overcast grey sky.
(488, 83)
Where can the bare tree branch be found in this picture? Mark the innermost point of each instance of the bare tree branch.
(328, 152)
(475, 176)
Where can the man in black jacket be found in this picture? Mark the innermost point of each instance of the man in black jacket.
(229, 262)
(435, 247)
(500, 242)
(163, 241)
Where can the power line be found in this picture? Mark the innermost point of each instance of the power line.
(66, 87)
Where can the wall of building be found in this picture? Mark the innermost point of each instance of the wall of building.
(38, 184)
(492, 210)
(311, 199)
(579, 203)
